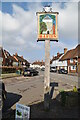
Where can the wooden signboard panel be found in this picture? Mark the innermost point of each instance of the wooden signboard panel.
(47, 26)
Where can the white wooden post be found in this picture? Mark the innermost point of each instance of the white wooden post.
(46, 9)
(47, 75)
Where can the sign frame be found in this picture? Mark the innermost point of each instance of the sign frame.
(22, 112)
(47, 36)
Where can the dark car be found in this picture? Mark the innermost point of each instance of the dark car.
(62, 71)
(53, 69)
(3, 92)
(42, 69)
(30, 72)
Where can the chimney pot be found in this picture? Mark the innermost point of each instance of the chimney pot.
(65, 50)
(16, 54)
(58, 54)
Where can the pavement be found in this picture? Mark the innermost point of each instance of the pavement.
(73, 74)
(30, 91)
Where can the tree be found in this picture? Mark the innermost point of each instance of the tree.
(43, 27)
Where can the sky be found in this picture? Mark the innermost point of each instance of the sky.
(18, 28)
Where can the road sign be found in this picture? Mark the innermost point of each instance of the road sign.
(22, 112)
(47, 26)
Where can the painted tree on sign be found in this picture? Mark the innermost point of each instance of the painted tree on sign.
(43, 27)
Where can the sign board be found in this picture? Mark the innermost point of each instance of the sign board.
(22, 112)
(47, 26)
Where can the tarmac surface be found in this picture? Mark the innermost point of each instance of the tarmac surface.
(30, 91)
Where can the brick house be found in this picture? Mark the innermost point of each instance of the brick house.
(73, 59)
(21, 61)
(55, 61)
(5, 58)
(1, 56)
(38, 64)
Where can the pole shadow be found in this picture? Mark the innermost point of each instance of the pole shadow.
(12, 98)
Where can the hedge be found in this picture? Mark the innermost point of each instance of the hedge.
(6, 70)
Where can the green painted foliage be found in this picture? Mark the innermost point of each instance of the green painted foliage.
(43, 27)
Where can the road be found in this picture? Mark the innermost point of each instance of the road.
(29, 90)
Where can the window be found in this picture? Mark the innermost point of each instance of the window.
(71, 60)
(76, 60)
(73, 67)
(10, 61)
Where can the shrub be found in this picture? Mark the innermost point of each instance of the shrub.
(8, 70)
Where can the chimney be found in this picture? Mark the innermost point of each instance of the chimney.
(65, 50)
(58, 54)
(42, 61)
(21, 56)
(16, 54)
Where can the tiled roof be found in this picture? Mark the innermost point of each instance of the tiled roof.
(1, 51)
(38, 63)
(56, 58)
(21, 59)
(9, 56)
(12, 58)
(73, 53)
(6, 54)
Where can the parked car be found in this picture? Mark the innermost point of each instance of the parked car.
(53, 69)
(42, 69)
(30, 72)
(3, 92)
(62, 71)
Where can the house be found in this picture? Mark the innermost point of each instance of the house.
(9, 61)
(55, 62)
(5, 58)
(21, 61)
(38, 64)
(73, 59)
(1, 56)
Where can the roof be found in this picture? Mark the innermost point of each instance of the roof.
(1, 52)
(73, 53)
(6, 53)
(21, 59)
(12, 58)
(56, 57)
(9, 56)
(38, 63)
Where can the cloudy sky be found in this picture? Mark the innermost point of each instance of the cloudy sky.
(19, 28)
